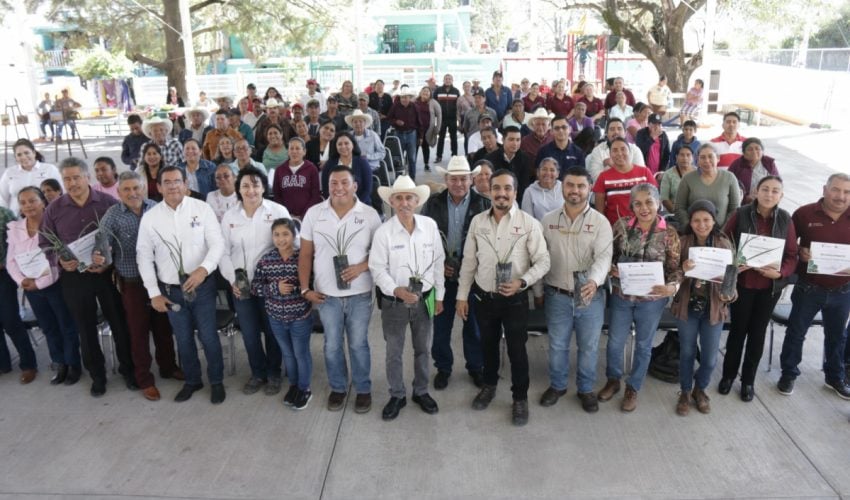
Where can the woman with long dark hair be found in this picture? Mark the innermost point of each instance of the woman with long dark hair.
(345, 151)
(152, 163)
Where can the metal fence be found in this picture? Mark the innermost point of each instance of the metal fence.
(819, 59)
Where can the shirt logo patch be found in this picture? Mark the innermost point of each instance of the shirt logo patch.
(195, 222)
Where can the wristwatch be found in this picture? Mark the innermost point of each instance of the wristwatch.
(305, 291)
(523, 284)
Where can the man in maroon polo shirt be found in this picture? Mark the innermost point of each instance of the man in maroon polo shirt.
(826, 221)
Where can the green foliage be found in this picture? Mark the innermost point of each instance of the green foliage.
(99, 63)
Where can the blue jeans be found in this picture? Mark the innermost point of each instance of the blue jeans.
(441, 348)
(56, 323)
(293, 337)
(645, 316)
(10, 322)
(834, 306)
(561, 318)
(349, 315)
(254, 325)
(198, 315)
(408, 144)
(698, 324)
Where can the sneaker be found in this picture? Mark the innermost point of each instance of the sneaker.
(519, 413)
(302, 399)
(611, 387)
(252, 385)
(629, 400)
(336, 400)
(290, 396)
(683, 407)
(702, 401)
(785, 386)
(484, 397)
(840, 388)
(441, 380)
(273, 387)
(589, 402)
(550, 396)
(363, 403)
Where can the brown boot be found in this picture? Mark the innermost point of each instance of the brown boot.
(684, 404)
(702, 401)
(629, 399)
(611, 387)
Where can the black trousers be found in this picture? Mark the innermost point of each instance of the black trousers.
(750, 315)
(451, 126)
(494, 312)
(82, 293)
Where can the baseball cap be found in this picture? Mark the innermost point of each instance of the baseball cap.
(655, 118)
(478, 92)
(331, 98)
(363, 95)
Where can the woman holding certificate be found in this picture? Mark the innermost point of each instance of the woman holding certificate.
(646, 272)
(699, 306)
(770, 260)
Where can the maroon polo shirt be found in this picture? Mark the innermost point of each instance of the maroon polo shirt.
(68, 220)
(813, 224)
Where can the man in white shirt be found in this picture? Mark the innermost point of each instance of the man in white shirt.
(341, 226)
(313, 93)
(407, 253)
(600, 158)
(179, 246)
(504, 254)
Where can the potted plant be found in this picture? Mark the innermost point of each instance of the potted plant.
(580, 278)
(417, 280)
(60, 249)
(102, 240)
(243, 283)
(504, 266)
(452, 258)
(340, 246)
(175, 252)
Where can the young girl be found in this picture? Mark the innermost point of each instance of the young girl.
(276, 280)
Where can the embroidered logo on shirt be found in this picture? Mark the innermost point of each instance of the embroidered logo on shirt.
(194, 222)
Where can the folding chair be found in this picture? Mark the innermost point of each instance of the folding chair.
(393, 145)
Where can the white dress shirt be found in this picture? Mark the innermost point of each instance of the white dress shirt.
(193, 225)
(323, 102)
(397, 254)
(255, 233)
(322, 220)
(475, 143)
(16, 178)
(220, 203)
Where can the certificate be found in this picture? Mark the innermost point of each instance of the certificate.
(638, 278)
(33, 264)
(710, 263)
(829, 258)
(83, 248)
(760, 251)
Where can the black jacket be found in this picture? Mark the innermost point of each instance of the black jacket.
(437, 208)
(520, 165)
(643, 141)
(447, 97)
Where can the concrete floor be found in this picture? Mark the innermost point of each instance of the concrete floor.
(58, 442)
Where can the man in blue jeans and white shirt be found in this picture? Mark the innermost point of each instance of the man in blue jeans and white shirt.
(579, 240)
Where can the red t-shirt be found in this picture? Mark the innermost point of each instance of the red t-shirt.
(616, 186)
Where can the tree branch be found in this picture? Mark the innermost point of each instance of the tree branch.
(206, 29)
(202, 5)
(146, 60)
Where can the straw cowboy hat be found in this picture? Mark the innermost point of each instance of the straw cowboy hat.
(358, 115)
(155, 120)
(197, 109)
(407, 91)
(404, 184)
(273, 103)
(457, 166)
(540, 114)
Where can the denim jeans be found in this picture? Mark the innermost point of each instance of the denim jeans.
(254, 325)
(441, 348)
(408, 144)
(54, 319)
(349, 315)
(645, 316)
(293, 338)
(198, 315)
(698, 324)
(561, 318)
(10, 322)
(834, 306)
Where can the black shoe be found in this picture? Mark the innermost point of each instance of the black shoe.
(747, 393)
(393, 407)
(291, 394)
(74, 375)
(840, 388)
(187, 391)
(439, 159)
(519, 413)
(98, 387)
(785, 386)
(61, 375)
(130, 382)
(589, 402)
(550, 396)
(217, 394)
(427, 168)
(725, 386)
(484, 397)
(301, 399)
(441, 380)
(477, 379)
(427, 403)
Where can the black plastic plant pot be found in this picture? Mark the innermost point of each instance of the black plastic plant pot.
(189, 297)
(579, 280)
(243, 284)
(414, 286)
(730, 281)
(340, 265)
(454, 264)
(101, 245)
(503, 273)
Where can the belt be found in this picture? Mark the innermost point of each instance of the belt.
(477, 290)
(568, 293)
(838, 289)
(394, 299)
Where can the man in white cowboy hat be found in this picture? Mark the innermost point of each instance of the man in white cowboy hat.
(405, 120)
(406, 262)
(197, 128)
(370, 143)
(363, 105)
(159, 131)
(453, 209)
(540, 134)
(273, 116)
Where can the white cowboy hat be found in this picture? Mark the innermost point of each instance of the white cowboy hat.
(273, 103)
(155, 120)
(357, 114)
(404, 184)
(197, 109)
(540, 114)
(458, 166)
(407, 91)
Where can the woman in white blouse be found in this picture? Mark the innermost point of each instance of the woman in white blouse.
(29, 171)
(545, 194)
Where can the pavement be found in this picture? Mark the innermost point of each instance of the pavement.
(58, 442)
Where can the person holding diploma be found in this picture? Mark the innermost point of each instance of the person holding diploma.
(825, 221)
(700, 309)
(644, 237)
(758, 288)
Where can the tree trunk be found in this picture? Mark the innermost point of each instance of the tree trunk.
(175, 62)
